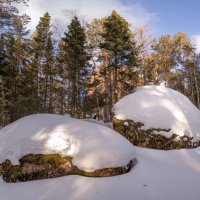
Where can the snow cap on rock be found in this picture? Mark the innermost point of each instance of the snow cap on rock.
(91, 145)
(160, 107)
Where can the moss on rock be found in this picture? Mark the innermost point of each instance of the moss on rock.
(147, 138)
(35, 167)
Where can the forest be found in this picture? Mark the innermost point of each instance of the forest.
(86, 69)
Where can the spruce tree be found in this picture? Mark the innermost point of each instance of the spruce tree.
(15, 46)
(121, 50)
(40, 67)
(76, 66)
(119, 42)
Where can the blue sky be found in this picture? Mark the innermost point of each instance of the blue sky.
(173, 15)
(160, 16)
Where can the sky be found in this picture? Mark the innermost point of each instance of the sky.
(160, 16)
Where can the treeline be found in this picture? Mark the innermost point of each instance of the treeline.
(88, 68)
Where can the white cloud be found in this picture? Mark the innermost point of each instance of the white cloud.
(196, 41)
(133, 13)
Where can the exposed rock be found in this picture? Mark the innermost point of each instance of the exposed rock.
(147, 138)
(35, 167)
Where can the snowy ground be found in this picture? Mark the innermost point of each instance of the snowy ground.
(158, 175)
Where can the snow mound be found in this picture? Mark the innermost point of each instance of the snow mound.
(92, 146)
(160, 107)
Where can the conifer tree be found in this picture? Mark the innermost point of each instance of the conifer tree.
(15, 48)
(119, 42)
(4, 104)
(42, 51)
(76, 66)
(120, 46)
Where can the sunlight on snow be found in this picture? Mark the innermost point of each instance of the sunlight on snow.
(160, 107)
(57, 141)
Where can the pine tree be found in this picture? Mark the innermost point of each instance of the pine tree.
(4, 105)
(121, 49)
(41, 63)
(15, 48)
(76, 66)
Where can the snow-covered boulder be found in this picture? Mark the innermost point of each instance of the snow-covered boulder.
(65, 145)
(158, 117)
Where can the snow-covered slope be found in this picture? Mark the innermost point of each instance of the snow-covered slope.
(160, 107)
(91, 145)
(158, 175)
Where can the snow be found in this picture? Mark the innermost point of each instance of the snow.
(157, 175)
(165, 175)
(91, 145)
(160, 107)
(101, 122)
(126, 124)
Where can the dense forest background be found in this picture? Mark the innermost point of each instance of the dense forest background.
(89, 67)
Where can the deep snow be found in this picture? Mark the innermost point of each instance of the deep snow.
(158, 175)
(160, 107)
(91, 145)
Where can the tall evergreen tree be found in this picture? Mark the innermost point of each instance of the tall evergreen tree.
(15, 45)
(120, 45)
(40, 68)
(76, 65)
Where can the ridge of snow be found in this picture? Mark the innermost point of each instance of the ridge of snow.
(160, 107)
(91, 145)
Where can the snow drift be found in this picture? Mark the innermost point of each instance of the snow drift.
(92, 146)
(160, 107)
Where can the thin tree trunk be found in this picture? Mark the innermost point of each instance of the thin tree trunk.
(197, 89)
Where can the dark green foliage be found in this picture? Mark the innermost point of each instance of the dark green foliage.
(13, 52)
(75, 58)
(119, 42)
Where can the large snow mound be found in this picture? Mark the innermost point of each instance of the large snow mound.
(160, 107)
(91, 145)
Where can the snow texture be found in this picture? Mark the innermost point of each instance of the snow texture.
(160, 107)
(101, 122)
(158, 175)
(91, 145)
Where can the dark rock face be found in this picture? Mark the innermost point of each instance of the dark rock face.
(147, 138)
(35, 167)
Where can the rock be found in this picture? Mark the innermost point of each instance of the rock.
(147, 138)
(35, 167)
